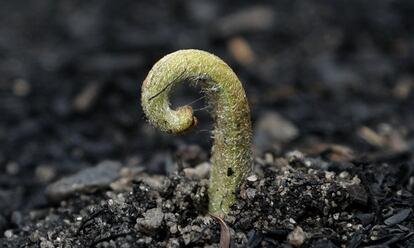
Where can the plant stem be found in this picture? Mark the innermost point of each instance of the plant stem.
(231, 157)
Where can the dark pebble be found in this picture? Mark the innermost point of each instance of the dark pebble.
(87, 180)
(365, 218)
(398, 217)
(254, 238)
(357, 194)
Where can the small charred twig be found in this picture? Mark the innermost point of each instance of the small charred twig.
(84, 224)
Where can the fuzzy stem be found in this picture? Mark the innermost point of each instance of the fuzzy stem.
(231, 157)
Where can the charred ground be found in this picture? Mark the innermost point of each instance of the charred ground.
(332, 79)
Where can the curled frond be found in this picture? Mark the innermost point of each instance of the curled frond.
(231, 152)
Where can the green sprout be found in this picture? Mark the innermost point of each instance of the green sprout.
(231, 157)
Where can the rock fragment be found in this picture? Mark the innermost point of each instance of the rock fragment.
(199, 172)
(152, 220)
(296, 237)
(398, 217)
(253, 19)
(272, 128)
(87, 180)
(85, 100)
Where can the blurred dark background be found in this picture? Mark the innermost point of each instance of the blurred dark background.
(315, 72)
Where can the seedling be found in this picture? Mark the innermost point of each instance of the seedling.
(231, 155)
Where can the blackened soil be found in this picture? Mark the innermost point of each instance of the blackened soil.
(331, 89)
(285, 202)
